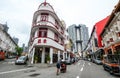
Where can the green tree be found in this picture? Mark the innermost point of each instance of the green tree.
(18, 50)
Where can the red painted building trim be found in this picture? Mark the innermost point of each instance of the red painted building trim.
(62, 43)
(50, 13)
(99, 27)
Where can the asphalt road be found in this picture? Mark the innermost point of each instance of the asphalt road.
(9, 65)
(82, 69)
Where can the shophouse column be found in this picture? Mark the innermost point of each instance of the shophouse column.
(33, 52)
(43, 55)
(58, 55)
(51, 55)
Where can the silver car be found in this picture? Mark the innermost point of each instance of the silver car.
(21, 60)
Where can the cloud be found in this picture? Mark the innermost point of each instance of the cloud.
(19, 13)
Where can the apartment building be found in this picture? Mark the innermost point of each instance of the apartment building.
(47, 37)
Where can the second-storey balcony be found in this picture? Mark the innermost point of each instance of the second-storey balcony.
(47, 42)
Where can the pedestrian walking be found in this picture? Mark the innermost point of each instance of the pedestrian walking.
(58, 66)
(16, 57)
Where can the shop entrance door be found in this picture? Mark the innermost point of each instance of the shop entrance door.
(38, 54)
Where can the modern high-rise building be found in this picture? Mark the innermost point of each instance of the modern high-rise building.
(79, 35)
(7, 44)
(84, 35)
(25, 48)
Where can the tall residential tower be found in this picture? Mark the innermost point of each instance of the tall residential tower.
(79, 35)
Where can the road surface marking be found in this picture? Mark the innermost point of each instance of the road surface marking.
(81, 69)
(14, 71)
(77, 77)
(89, 64)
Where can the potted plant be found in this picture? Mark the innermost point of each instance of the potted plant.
(48, 59)
(36, 59)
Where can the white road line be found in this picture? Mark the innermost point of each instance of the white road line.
(89, 64)
(77, 77)
(81, 69)
(14, 71)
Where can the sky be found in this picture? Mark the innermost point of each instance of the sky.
(18, 14)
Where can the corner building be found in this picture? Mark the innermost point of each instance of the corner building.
(47, 35)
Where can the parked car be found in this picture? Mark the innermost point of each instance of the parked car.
(21, 60)
(68, 61)
(89, 59)
(11, 57)
(111, 63)
(98, 61)
(86, 59)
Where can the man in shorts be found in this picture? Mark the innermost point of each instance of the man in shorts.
(58, 66)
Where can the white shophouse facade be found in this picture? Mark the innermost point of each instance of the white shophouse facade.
(111, 34)
(47, 35)
(6, 42)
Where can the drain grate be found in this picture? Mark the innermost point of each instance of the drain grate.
(35, 74)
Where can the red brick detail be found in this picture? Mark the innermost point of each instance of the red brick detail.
(44, 41)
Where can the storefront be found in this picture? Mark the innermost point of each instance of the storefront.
(113, 48)
(45, 54)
